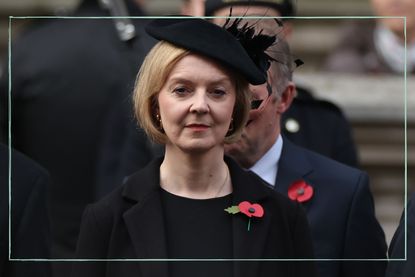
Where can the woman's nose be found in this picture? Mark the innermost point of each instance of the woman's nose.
(199, 103)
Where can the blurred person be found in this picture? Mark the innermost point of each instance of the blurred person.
(336, 197)
(399, 244)
(66, 86)
(30, 230)
(192, 96)
(315, 124)
(377, 46)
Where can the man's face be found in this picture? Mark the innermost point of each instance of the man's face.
(263, 126)
(261, 130)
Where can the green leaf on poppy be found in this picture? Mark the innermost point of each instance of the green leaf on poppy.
(232, 210)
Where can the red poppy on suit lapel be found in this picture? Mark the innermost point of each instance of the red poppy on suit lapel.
(250, 210)
(300, 191)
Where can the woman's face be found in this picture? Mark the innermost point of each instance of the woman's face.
(196, 104)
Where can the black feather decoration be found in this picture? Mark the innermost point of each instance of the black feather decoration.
(258, 44)
(279, 22)
(254, 44)
(298, 63)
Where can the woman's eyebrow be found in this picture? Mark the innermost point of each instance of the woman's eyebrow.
(180, 79)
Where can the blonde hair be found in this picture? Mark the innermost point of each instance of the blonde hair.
(151, 78)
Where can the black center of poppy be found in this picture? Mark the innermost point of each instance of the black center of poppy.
(251, 210)
(300, 191)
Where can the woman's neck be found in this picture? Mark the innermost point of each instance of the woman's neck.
(198, 176)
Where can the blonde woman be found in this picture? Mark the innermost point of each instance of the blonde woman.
(192, 96)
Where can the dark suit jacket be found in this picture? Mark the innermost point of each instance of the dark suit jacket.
(73, 76)
(30, 233)
(397, 247)
(129, 224)
(341, 212)
(323, 128)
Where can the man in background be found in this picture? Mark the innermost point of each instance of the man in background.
(336, 197)
(315, 124)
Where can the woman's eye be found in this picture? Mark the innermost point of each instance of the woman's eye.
(180, 90)
(218, 92)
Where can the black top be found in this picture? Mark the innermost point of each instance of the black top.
(198, 229)
(130, 223)
(30, 238)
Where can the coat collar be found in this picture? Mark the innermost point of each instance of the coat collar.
(293, 166)
(145, 220)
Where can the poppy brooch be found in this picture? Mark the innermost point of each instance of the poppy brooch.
(250, 210)
(300, 191)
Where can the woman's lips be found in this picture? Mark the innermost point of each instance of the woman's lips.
(197, 127)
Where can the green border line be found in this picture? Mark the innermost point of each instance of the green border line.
(9, 105)
(207, 17)
(405, 144)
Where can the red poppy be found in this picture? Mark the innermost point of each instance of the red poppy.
(300, 191)
(250, 210)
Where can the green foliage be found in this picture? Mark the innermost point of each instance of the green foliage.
(233, 210)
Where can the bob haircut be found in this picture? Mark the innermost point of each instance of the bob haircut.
(151, 78)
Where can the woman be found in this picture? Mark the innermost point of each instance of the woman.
(192, 95)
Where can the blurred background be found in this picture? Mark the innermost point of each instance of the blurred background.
(374, 104)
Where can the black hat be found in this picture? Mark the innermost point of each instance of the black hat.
(210, 40)
(284, 7)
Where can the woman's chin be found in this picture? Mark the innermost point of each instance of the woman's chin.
(199, 147)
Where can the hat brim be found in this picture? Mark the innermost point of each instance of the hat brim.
(207, 39)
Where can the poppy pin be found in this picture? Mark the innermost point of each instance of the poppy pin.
(250, 210)
(300, 191)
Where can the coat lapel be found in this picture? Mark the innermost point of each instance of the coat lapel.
(145, 222)
(248, 244)
(292, 166)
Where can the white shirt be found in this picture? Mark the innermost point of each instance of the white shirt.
(267, 166)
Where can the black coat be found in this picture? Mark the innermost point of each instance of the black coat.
(398, 244)
(129, 223)
(30, 231)
(322, 128)
(68, 77)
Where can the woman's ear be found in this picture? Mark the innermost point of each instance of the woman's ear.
(287, 97)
